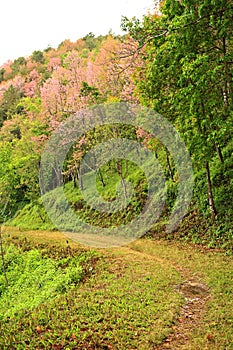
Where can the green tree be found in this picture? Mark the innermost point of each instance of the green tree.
(90, 93)
(38, 56)
(188, 53)
(9, 103)
(90, 41)
(2, 72)
(18, 64)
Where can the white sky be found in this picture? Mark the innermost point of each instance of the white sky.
(27, 25)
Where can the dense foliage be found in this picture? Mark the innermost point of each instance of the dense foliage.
(188, 51)
(177, 62)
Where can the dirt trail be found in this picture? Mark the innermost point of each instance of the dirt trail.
(191, 314)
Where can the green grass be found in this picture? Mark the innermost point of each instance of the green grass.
(34, 277)
(128, 301)
(216, 270)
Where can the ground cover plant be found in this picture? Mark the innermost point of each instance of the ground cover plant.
(131, 298)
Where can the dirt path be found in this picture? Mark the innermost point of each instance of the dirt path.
(191, 314)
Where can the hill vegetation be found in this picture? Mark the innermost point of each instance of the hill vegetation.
(178, 63)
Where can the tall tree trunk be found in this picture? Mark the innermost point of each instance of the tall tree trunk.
(210, 193)
(124, 188)
(226, 78)
(74, 180)
(120, 173)
(219, 151)
(100, 176)
(80, 180)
